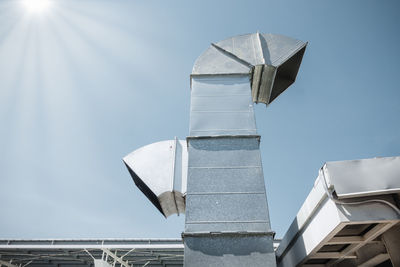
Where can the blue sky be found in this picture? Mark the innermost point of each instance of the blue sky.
(87, 82)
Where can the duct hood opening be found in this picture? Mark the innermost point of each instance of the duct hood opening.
(286, 74)
(269, 81)
(145, 189)
(271, 62)
(159, 170)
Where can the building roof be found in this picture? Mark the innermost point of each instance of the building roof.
(83, 252)
(132, 252)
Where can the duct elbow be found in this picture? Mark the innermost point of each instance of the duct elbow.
(271, 61)
(159, 170)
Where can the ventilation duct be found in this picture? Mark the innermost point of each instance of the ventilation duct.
(272, 62)
(227, 219)
(159, 170)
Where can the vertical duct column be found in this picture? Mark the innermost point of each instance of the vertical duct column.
(227, 222)
(227, 219)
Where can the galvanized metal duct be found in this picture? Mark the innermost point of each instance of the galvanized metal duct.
(227, 221)
(272, 62)
(159, 170)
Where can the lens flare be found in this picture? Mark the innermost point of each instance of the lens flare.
(36, 6)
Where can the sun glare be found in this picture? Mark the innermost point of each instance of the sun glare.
(36, 6)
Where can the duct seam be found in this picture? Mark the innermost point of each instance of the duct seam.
(242, 233)
(224, 136)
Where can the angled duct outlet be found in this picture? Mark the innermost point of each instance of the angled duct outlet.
(159, 170)
(272, 62)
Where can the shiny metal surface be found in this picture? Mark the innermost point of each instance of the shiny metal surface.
(225, 190)
(271, 61)
(160, 172)
(227, 219)
(221, 106)
(240, 250)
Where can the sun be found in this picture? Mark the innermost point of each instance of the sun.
(36, 6)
